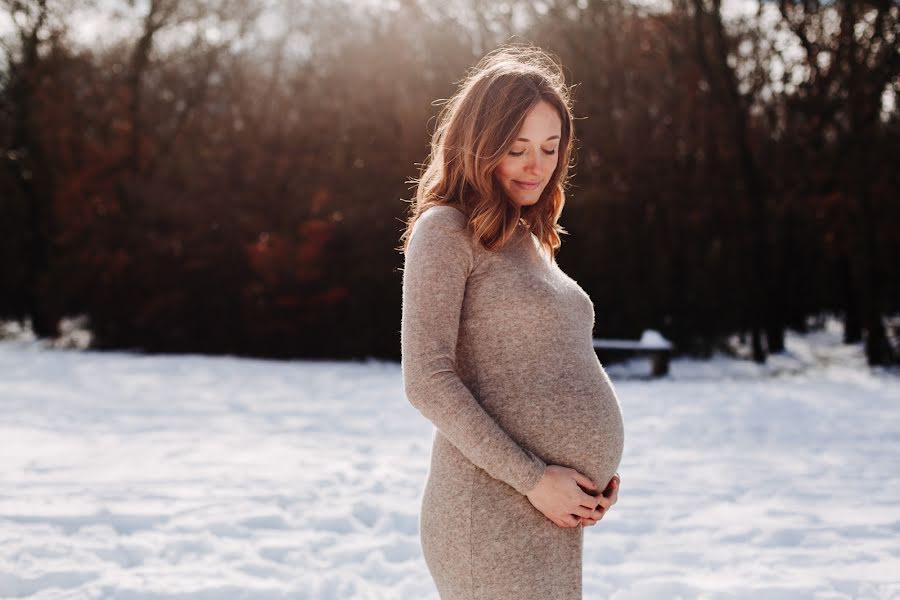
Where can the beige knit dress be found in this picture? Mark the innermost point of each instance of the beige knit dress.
(497, 354)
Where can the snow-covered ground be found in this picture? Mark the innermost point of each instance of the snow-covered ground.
(138, 477)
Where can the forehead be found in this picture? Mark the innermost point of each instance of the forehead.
(542, 121)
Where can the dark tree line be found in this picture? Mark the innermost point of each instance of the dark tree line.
(205, 183)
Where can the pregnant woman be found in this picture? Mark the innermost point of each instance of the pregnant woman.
(496, 344)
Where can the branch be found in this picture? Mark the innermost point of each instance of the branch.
(812, 50)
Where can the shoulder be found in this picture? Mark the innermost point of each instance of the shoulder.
(442, 222)
(441, 236)
(443, 215)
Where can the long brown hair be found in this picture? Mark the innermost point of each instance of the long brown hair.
(476, 127)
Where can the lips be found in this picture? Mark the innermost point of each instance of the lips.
(526, 185)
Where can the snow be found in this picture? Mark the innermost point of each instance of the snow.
(651, 337)
(159, 477)
(650, 340)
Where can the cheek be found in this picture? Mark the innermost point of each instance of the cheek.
(504, 171)
(552, 163)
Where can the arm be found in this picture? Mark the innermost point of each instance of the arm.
(438, 261)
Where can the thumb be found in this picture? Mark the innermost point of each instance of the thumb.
(584, 481)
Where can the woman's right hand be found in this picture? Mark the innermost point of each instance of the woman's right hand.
(559, 497)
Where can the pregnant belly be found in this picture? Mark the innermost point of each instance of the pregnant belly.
(573, 421)
(586, 433)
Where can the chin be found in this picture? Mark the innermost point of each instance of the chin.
(527, 201)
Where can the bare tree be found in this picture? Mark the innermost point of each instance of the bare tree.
(852, 59)
(25, 158)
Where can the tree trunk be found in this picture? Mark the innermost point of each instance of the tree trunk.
(723, 81)
(33, 177)
(852, 321)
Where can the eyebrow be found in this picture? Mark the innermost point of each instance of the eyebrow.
(552, 137)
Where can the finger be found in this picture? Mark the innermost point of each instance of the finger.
(570, 521)
(603, 503)
(614, 495)
(583, 511)
(583, 481)
(558, 522)
(611, 487)
(588, 500)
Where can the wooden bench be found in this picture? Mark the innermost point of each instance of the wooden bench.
(651, 342)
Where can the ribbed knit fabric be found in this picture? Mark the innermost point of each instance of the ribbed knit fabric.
(497, 354)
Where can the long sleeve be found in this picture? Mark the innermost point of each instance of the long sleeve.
(438, 261)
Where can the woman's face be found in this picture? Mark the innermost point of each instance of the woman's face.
(528, 165)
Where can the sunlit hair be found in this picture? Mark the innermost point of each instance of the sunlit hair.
(476, 128)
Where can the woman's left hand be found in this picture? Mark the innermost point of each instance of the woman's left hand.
(612, 493)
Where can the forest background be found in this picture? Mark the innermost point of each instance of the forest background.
(232, 176)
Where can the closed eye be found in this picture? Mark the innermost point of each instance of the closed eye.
(547, 152)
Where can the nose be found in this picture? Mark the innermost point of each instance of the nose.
(534, 163)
